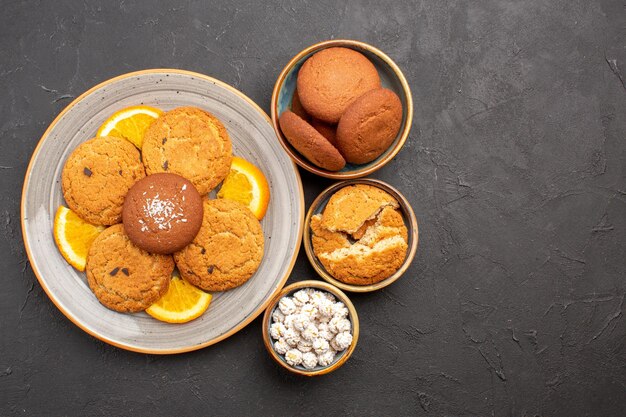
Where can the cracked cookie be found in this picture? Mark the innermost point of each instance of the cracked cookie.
(123, 277)
(162, 213)
(191, 143)
(227, 250)
(360, 238)
(331, 79)
(96, 177)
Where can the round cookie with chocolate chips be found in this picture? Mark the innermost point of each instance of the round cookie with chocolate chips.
(123, 277)
(331, 79)
(162, 213)
(227, 250)
(191, 143)
(369, 126)
(96, 177)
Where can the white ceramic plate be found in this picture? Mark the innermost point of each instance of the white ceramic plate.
(253, 138)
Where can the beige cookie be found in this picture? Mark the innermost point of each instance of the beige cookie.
(227, 250)
(350, 207)
(191, 143)
(96, 177)
(122, 276)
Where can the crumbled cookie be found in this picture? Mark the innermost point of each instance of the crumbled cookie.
(96, 177)
(227, 250)
(353, 205)
(123, 277)
(191, 143)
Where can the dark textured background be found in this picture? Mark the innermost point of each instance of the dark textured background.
(514, 305)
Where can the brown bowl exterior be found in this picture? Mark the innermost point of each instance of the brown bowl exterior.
(267, 317)
(358, 170)
(409, 217)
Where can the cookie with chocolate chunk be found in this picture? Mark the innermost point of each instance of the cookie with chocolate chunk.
(96, 177)
(190, 142)
(227, 250)
(123, 277)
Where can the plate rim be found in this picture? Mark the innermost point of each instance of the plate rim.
(76, 320)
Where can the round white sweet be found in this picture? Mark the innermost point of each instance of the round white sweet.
(293, 357)
(281, 347)
(340, 309)
(310, 333)
(301, 297)
(330, 297)
(304, 346)
(325, 307)
(339, 324)
(287, 306)
(292, 337)
(341, 341)
(278, 316)
(309, 360)
(326, 358)
(320, 345)
(309, 310)
(277, 330)
(288, 321)
(300, 322)
(316, 296)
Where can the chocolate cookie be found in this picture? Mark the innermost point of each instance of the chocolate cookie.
(226, 251)
(191, 143)
(162, 213)
(122, 276)
(310, 143)
(96, 177)
(331, 79)
(369, 126)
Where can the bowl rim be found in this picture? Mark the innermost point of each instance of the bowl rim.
(353, 44)
(354, 319)
(408, 214)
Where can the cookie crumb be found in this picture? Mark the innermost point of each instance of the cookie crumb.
(87, 172)
(114, 271)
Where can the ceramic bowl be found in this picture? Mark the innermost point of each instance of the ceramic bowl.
(341, 358)
(318, 206)
(391, 78)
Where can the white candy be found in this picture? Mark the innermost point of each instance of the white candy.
(320, 345)
(309, 360)
(326, 358)
(340, 309)
(330, 297)
(287, 306)
(339, 324)
(277, 330)
(326, 335)
(310, 333)
(281, 347)
(301, 297)
(278, 316)
(300, 322)
(288, 322)
(325, 307)
(316, 297)
(293, 357)
(291, 337)
(309, 310)
(341, 341)
(304, 346)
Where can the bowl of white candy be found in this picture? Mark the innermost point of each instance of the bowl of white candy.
(310, 328)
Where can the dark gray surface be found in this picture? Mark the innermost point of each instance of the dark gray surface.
(514, 305)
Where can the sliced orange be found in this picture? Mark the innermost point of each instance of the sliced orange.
(182, 303)
(130, 123)
(246, 184)
(74, 236)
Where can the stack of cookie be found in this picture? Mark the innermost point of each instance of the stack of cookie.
(167, 218)
(340, 113)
